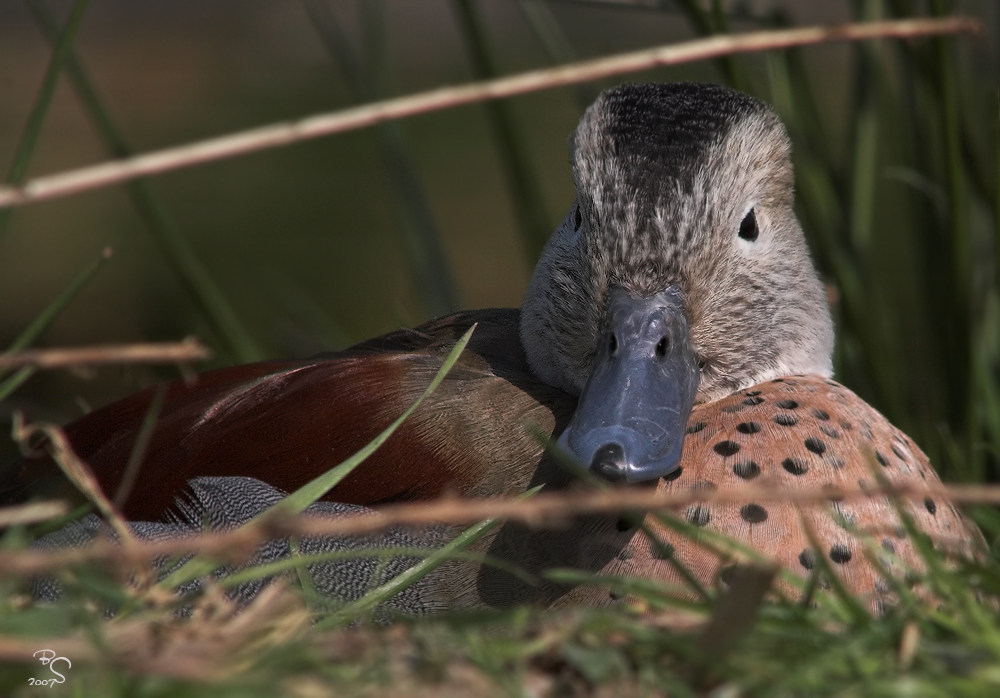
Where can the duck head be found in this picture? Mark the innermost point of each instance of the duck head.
(679, 275)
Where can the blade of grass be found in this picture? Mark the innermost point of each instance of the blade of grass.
(851, 607)
(964, 301)
(530, 211)
(987, 344)
(565, 504)
(943, 583)
(75, 470)
(15, 381)
(138, 452)
(297, 561)
(996, 192)
(708, 22)
(866, 123)
(875, 323)
(666, 551)
(734, 615)
(44, 319)
(182, 352)
(421, 569)
(820, 192)
(195, 278)
(36, 119)
(654, 592)
(425, 252)
(945, 117)
(297, 501)
(557, 45)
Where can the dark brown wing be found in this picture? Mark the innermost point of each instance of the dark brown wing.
(286, 422)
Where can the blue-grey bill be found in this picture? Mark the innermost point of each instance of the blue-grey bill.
(631, 418)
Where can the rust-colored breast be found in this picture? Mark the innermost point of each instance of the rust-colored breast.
(795, 433)
(790, 434)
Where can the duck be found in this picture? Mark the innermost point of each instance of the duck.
(674, 335)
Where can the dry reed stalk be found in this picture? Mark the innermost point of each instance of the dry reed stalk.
(286, 133)
(543, 509)
(184, 351)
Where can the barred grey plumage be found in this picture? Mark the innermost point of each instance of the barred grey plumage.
(223, 503)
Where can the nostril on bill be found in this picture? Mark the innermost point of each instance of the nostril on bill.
(609, 462)
(662, 346)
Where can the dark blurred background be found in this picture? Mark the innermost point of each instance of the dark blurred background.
(324, 243)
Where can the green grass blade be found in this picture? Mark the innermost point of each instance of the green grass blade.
(867, 123)
(709, 21)
(415, 219)
(138, 452)
(557, 45)
(45, 318)
(421, 569)
(297, 501)
(29, 139)
(12, 383)
(196, 279)
(530, 211)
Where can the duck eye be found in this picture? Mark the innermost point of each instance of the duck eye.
(578, 220)
(748, 228)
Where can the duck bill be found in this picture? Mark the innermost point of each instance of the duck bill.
(630, 421)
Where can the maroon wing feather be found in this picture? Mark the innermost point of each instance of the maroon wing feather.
(286, 422)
